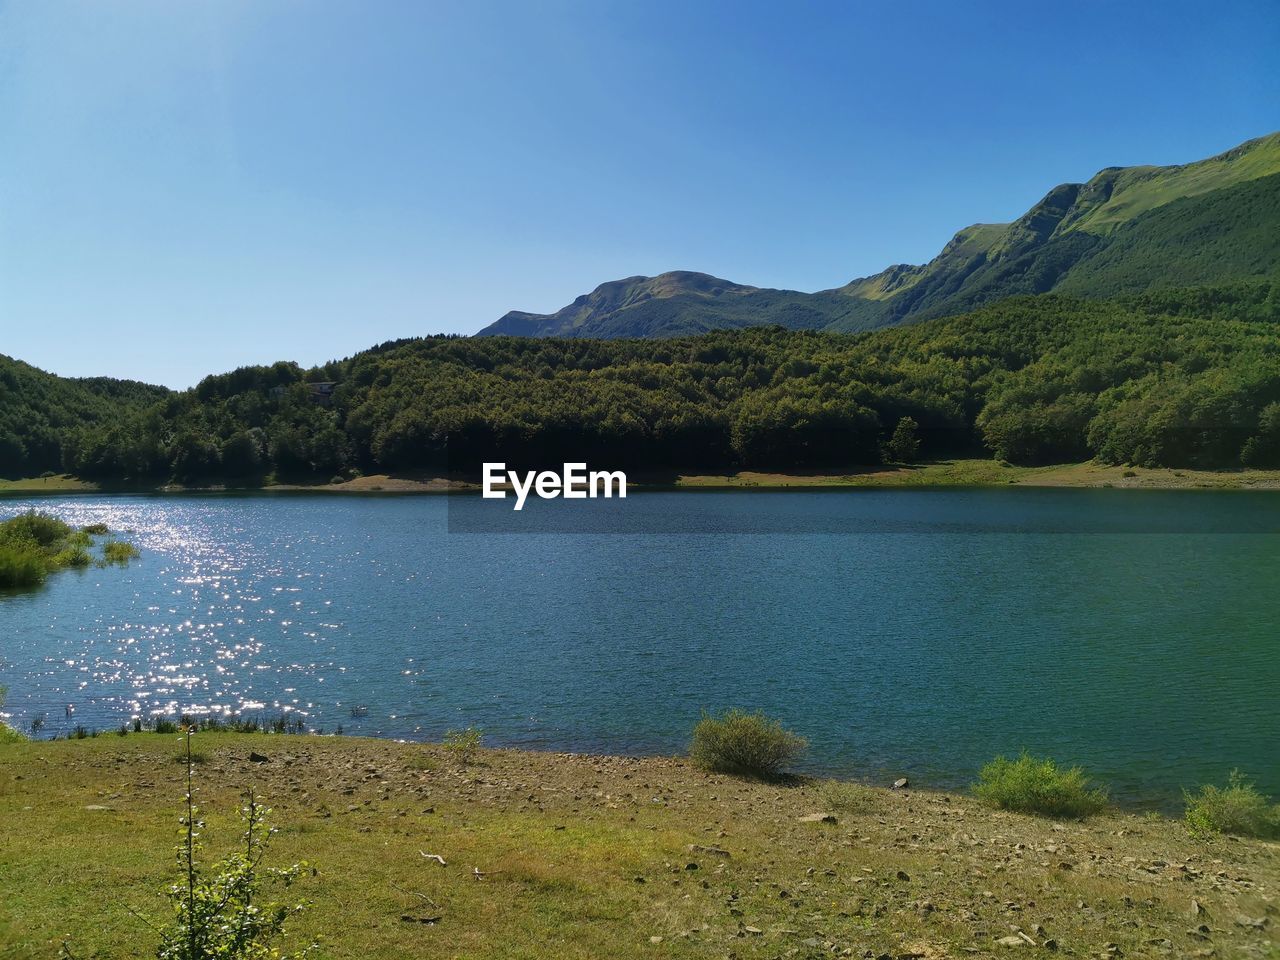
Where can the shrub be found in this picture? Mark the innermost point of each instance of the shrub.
(21, 565)
(118, 551)
(40, 528)
(76, 557)
(747, 744)
(1039, 786)
(1238, 809)
(463, 744)
(96, 529)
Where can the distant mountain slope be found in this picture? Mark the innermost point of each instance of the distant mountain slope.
(672, 304)
(1128, 229)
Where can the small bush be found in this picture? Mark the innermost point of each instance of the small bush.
(75, 557)
(747, 744)
(118, 551)
(463, 744)
(1238, 809)
(1039, 786)
(21, 566)
(840, 796)
(96, 529)
(39, 528)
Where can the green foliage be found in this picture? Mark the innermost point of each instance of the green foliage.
(41, 529)
(1238, 809)
(38, 411)
(745, 744)
(7, 733)
(904, 444)
(1185, 378)
(96, 529)
(463, 744)
(21, 566)
(221, 911)
(75, 557)
(118, 551)
(1038, 786)
(33, 545)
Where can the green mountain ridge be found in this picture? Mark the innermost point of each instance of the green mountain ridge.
(1127, 229)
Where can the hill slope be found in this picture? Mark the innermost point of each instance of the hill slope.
(38, 408)
(1128, 229)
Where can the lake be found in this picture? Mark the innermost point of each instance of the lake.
(906, 633)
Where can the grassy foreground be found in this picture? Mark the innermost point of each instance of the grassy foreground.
(551, 855)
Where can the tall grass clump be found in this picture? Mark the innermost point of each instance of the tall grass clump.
(33, 545)
(1039, 786)
(1238, 809)
(745, 744)
(22, 565)
(118, 551)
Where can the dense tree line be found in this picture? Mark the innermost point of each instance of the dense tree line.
(1186, 378)
(39, 412)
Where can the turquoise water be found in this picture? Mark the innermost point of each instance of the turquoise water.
(911, 633)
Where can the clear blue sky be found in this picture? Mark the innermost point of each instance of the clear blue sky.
(189, 187)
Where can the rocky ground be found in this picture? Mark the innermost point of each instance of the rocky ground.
(420, 853)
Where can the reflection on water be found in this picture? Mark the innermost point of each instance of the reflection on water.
(1149, 657)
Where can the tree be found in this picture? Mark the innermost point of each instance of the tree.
(904, 444)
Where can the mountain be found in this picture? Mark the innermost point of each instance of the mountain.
(670, 304)
(1127, 230)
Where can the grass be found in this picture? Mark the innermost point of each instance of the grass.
(586, 857)
(746, 744)
(1238, 809)
(33, 545)
(987, 473)
(22, 566)
(118, 551)
(1038, 786)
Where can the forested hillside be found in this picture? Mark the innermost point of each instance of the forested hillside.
(39, 412)
(1189, 378)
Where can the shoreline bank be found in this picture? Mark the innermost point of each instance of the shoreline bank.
(581, 856)
(946, 473)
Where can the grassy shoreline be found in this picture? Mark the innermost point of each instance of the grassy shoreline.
(589, 856)
(944, 473)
